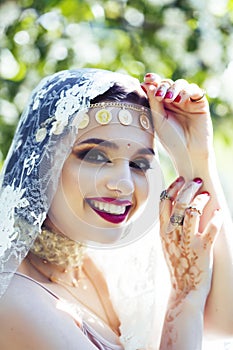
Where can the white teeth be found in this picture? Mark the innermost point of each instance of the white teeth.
(108, 207)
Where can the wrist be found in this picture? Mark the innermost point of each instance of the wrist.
(193, 300)
(198, 167)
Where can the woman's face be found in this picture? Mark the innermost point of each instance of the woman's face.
(104, 182)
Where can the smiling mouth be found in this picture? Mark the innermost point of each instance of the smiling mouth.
(111, 210)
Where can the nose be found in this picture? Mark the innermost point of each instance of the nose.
(120, 179)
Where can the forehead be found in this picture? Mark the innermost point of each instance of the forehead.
(118, 129)
(119, 134)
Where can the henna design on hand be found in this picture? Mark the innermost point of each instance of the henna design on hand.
(189, 256)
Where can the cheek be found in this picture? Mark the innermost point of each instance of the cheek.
(70, 183)
(87, 179)
(92, 178)
(141, 187)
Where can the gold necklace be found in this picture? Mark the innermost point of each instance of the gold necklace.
(58, 249)
(66, 286)
(51, 276)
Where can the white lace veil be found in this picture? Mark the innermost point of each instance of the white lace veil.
(33, 165)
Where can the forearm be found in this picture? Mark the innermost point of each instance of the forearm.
(183, 325)
(219, 307)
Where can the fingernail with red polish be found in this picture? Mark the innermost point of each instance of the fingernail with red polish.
(169, 94)
(180, 179)
(177, 99)
(143, 88)
(205, 192)
(159, 93)
(198, 180)
(152, 76)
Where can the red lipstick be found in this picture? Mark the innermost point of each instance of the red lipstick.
(110, 217)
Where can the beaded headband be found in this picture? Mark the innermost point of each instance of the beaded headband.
(104, 116)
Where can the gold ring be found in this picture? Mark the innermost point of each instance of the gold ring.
(194, 209)
(199, 98)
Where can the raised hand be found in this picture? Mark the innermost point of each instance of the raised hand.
(181, 118)
(189, 253)
(189, 257)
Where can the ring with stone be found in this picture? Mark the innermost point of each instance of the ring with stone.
(177, 220)
(164, 195)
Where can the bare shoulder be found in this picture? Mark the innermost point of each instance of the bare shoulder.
(30, 319)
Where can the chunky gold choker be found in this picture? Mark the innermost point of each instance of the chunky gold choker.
(58, 249)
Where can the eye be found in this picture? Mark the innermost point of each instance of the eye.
(141, 164)
(92, 156)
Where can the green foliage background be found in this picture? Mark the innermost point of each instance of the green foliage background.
(192, 39)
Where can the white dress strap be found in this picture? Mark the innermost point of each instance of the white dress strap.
(95, 337)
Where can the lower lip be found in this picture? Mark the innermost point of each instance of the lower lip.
(114, 219)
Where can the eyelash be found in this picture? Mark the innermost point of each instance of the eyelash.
(92, 155)
(135, 164)
(97, 157)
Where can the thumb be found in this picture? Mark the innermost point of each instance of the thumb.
(212, 229)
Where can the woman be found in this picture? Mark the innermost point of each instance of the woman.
(82, 171)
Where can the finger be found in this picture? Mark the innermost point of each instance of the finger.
(166, 199)
(182, 201)
(188, 192)
(192, 93)
(176, 92)
(212, 229)
(152, 78)
(194, 212)
(162, 88)
(157, 109)
(196, 94)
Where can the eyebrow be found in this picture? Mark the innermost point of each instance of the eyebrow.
(149, 151)
(99, 141)
(112, 145)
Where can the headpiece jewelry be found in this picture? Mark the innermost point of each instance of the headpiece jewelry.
(104, 116)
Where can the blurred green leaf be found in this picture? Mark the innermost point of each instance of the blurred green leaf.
(175, 38)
